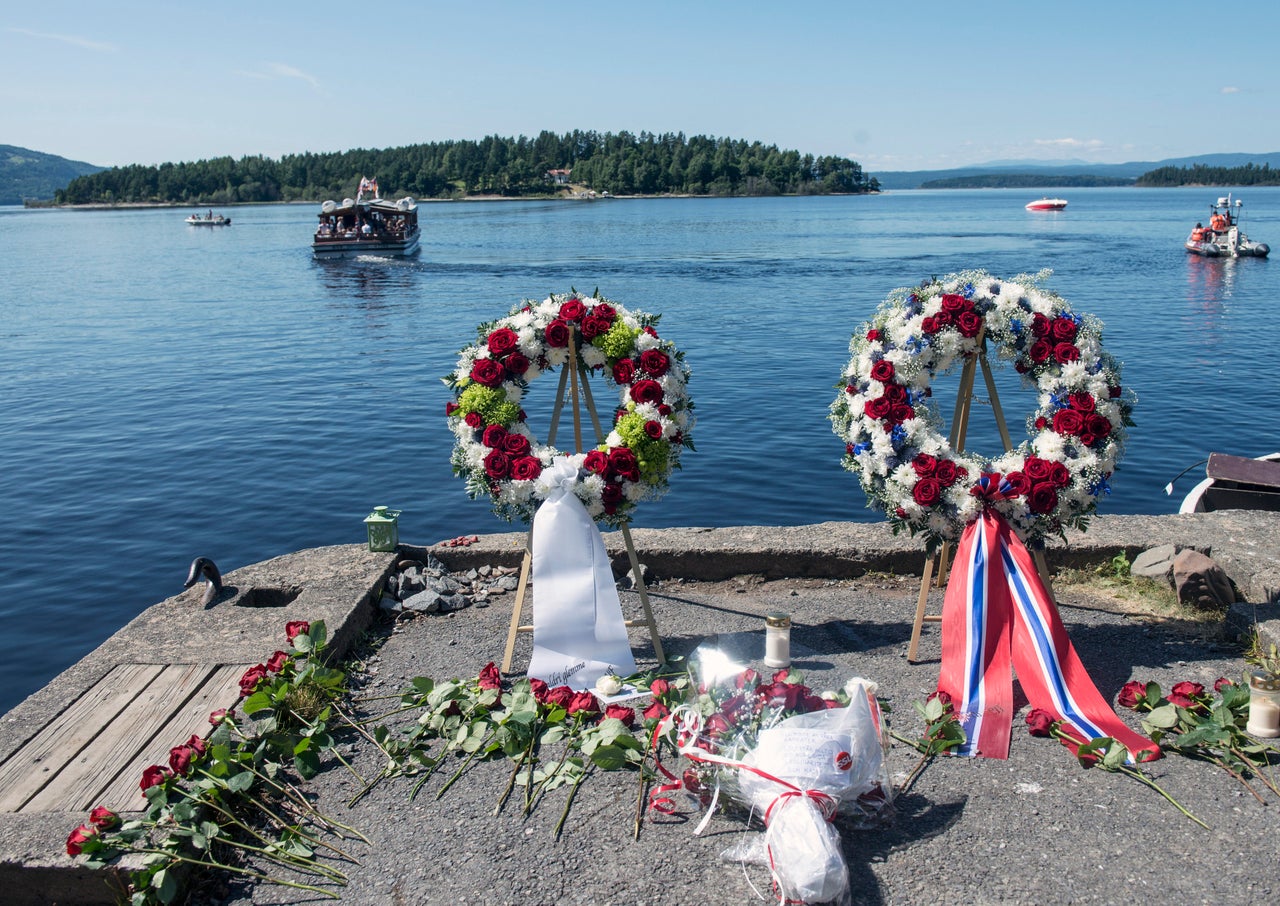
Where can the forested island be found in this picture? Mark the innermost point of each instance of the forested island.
(619, 164)
(1024, 181)
(1202, 175)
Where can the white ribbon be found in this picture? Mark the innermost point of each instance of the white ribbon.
(578, 631)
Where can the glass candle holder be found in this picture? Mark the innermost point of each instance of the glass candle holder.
(1264, 704)
(777, 639)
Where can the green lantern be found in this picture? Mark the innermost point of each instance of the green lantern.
(384, 528)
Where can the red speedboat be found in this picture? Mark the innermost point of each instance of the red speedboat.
(1047, 204)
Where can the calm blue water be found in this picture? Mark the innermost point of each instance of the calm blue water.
(168, 392)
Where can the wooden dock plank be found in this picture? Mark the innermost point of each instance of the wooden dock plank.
(38, 761)
(120, 791)
(120, 739)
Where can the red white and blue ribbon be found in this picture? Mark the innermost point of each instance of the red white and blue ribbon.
(997, 616)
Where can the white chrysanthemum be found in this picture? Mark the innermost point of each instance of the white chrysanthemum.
(614, 439)
(646, 341)
(593, 356)
(1049, 445)
(634, 491)
(513, 392)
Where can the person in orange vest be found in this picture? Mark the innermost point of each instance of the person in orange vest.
(1217, 222)
(1197, 235)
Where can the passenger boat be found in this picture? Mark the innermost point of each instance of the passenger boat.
(1224, 237)
(1047, 204)
(362, 226)
(210, 219)
(1236, 483)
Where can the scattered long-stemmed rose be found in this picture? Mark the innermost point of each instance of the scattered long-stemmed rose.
(224, 802)
(1103, 752)
(942, 733)
(1195, 723)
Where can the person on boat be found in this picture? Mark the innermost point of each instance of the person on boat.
(1217, 223)
(1197, 235)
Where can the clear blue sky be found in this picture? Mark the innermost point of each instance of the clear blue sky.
(895, 86)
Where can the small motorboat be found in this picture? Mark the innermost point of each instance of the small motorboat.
(210, 219)
(1235, 483)
(1224, 236)
(1047, 204)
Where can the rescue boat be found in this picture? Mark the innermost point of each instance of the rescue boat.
(1224, 237)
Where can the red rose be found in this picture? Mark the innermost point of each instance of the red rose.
(1040, 325)
(877, 408)
(497, 464)
(924, 464)
(526, 468)
(622, 713)
(249, 681)
(1064, 330)
(1114, 392)
(490, 677)
(196, 744)
(953, 302)
(1221, 683)
(593, 326)
(1099, 426)
(583, 703)
(295, 628)
(572, 310)
(946, 473)
(559, 695)
(217, 717)
(493, 436)
(1082, 402)
(717, 726)
(656, 711)
(659, 687)
(943, 696)
(451, 407)
(515, 444)
(1191, 690)
(747, 678)
(1040, 722)
(488, 372)
(655, 361)
(502, 341)
(539, 689)
(1068, 421)
(1131, 694)
(930, 326)
(900, 412)
(79, 837)
(927, 491)
(153, 776)
(624, 463)
(624, 372)
(646, 391)
(597, 462)
(1060, 475)
(276, 662)
(1065, 352)
(882, 371)
(780, 676)
(969, 322)
(651, 332)
(782, 695)
(873, 335)
(611, 496)
(1044, 498)
(604, 310)
(474, 420)
(1181, 701)
(1020, 483)
(180, 759)
(557, 334)
(653, 430)
(103, 818)
(1040, 351)
(516, 363)
(1037, 469)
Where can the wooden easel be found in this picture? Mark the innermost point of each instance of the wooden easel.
(579, 391)
(937, 566)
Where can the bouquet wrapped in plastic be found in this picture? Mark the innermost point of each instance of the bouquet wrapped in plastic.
(793, 758)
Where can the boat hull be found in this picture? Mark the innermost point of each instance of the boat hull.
(1235, 487)
(1216, 250)
(381, 248)
(200, 221)
(1047, 204)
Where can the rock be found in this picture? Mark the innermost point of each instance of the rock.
(411, 582)
(628, 581)
(423, 602)
(1155, 562)
(450, 603)
(1201, 583)
(389, 604)
(445, 585)
(508, 583)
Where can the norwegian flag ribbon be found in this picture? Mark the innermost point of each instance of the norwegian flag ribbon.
(997, 615)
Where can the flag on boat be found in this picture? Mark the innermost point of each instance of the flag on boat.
(367, 185)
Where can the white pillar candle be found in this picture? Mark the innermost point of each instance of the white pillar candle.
(1264, 705)
(777, 640)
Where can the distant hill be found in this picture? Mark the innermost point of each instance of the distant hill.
(33, 174)
(1051, 173)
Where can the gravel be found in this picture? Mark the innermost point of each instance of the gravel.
(1031, 829)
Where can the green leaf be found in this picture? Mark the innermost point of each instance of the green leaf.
(1164, 717)
(609, 758)
(240, 783)
(256, 703)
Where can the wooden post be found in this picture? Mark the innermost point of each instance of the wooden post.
(579, 392)
(937, 567)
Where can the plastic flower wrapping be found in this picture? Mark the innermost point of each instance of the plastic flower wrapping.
(792, 758)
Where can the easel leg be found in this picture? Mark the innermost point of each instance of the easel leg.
(517, 609)
(914, 648)
(644, 596)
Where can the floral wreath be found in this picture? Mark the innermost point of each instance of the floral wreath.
(908, 468)
(498, 454)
